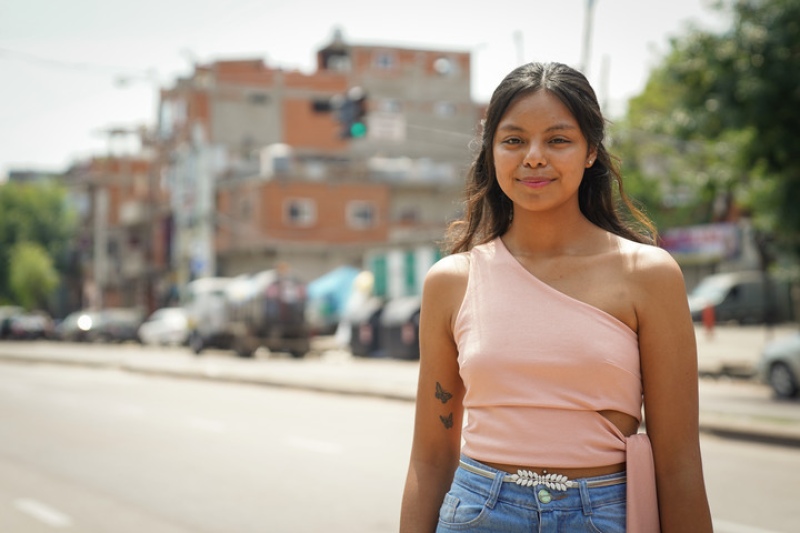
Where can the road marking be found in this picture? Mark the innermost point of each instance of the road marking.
(319, 446)
(722, 526)
(43, 513)
(206, 424)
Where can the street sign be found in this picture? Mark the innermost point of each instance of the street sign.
(386, 126)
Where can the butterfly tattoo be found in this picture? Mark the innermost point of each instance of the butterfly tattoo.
(447, 421)
(442, 394)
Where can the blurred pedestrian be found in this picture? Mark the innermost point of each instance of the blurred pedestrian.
(552, 322)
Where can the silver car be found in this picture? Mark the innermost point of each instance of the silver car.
(166, 326)
(779, 365)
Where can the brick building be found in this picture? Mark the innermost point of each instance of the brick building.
(260, 174)
(247, 168)
(124, 231)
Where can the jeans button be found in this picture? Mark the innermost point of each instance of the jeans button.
(544, 496)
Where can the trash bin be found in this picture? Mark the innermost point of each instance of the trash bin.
(365, 338)
(400, 328)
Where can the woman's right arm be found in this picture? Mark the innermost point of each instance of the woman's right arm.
(437, 428)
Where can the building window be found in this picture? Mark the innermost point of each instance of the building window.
(338, 63)
(300, 212)
(445, 109)
(384, 60)
(361, 215)
(257, 98)
(409, 215)
(444, 66)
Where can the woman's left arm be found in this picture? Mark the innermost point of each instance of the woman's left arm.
(668, 352)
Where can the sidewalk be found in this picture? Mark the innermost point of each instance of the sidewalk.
(734, 350)
(728, 406)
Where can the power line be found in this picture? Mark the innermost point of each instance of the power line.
(70, 65)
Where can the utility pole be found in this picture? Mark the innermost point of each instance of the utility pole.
(520, 47)
(587, 37)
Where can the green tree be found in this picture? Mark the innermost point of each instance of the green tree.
(33, 213)
(742, 88)
(32, 276)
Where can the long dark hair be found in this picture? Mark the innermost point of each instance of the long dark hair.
(488, 209)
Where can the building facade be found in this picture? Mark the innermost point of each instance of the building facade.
(261, 174)
(247, 168)
(124, 232)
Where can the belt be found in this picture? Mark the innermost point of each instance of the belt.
(558, 482)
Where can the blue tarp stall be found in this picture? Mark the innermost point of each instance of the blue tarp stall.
(327, 297)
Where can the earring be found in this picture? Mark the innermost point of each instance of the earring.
(589, 163)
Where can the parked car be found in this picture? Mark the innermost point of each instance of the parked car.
(742, 297)
(7, 313)
(30, 326)
(166, 326)
(76, 327)
(119, 324)
(779, 365)
(106, 325)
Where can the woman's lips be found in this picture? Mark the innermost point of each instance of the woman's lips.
(535, 183)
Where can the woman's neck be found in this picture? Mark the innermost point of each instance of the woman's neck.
(532, 234)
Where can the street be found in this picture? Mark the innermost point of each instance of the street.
(101, 450)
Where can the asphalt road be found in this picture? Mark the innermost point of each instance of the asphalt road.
(104, 450)
(101, 451)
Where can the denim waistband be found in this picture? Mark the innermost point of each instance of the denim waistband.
(582, 493)
(553, 480)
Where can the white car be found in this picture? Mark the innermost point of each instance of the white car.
(779, 366)
(166, 326)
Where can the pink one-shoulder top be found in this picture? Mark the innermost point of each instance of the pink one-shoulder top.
(538, 367)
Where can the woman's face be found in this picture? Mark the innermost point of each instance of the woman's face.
(540, 153)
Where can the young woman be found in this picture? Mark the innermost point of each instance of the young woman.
(551, 324)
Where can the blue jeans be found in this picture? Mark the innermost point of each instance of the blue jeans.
(481, 504)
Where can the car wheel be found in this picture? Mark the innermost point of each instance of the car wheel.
(782, 381)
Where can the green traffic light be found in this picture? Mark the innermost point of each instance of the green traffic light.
(358, 129)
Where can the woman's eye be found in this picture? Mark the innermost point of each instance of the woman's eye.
(513, 140)
(559, 140)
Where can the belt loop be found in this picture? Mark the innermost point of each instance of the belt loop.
(494, 492)
(586, 501)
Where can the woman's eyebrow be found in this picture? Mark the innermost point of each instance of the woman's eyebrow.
(509, 127)
(555, 127)
(562, 126)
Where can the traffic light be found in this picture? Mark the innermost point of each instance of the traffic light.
(353, 113)
(350, 109)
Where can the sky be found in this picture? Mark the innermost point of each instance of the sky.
(72, 70)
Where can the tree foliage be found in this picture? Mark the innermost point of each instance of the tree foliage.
(719, 117)
(32, 275)
(748, 81)
(34, 213)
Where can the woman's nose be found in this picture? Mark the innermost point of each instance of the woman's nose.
(534, 157)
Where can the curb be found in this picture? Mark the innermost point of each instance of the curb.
(210, 373)
(778, 431)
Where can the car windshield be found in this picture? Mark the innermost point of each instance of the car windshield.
(711, 290)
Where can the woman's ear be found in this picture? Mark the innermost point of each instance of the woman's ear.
(590, 158)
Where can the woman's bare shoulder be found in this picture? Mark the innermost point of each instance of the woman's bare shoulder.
(447, 277)
(651, 269)
(450, 268)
